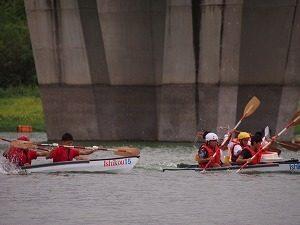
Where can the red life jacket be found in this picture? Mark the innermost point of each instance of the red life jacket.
(61, 154)
(210, 153)
(232, 155)
(20, 156)
(257, 159)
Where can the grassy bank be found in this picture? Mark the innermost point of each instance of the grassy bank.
(21, 106)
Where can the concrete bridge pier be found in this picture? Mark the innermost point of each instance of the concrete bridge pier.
(161, 69)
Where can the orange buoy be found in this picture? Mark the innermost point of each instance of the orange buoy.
(24, 128)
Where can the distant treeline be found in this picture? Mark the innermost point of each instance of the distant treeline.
(16, 59)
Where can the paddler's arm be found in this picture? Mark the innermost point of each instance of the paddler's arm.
(203, 160)
(86, 151)
(243, 158)
(49, 156)
(202, 156)
(42, 153)
(228, 138)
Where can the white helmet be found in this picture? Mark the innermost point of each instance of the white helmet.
(211, 137)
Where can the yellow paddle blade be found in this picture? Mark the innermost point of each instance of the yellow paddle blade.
(127, 151)
(23, 144)
(251, 106)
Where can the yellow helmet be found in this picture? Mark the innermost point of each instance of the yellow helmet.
(243, 135)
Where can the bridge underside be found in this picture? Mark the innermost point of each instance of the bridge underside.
(160, 70)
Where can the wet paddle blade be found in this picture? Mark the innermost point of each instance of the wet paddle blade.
(127, 151)
(267, 132)
(3, 139)
(251, 106)
(22, 144)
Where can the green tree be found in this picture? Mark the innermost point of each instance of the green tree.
(16, 60)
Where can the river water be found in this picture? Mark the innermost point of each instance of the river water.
(148, 196)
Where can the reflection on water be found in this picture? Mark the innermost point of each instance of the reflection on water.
(149, 196)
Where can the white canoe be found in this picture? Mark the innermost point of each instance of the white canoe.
(289, 166)
(109, 165)
(270, 157)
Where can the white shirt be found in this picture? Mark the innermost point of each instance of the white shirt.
(237, 148)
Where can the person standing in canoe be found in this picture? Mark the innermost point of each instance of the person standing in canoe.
(61, 153)
(207, 150)
(21, 156)
(248, 152)
(236, 147)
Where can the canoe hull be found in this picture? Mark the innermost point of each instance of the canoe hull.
(291, 166)
(109, 165)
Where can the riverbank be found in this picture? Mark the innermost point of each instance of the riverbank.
(21, 106)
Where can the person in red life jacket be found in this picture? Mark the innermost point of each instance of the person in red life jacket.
(249, 151)
(62, 153)
(236, 147)
(23, 157)
(207, 150)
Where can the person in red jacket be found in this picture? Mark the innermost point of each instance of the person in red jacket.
(249, 151)
(236, 146)
(207, 150)
(22, 157)
(62, 153)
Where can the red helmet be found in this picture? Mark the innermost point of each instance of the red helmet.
(23, 138)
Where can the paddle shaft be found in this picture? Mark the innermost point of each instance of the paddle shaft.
(123, 151)
(80, 147)
(3, 139)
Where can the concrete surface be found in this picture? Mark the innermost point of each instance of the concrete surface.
(161, 69)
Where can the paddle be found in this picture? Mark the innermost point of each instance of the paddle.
(23, 144)
(289, 146)
(250, 108)
(122, 151)
(295, 121)
(267, 132)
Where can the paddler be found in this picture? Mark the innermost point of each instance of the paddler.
(61, 153)
(236, 147)
(250, 151)
(21, 156)
(207, 150)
